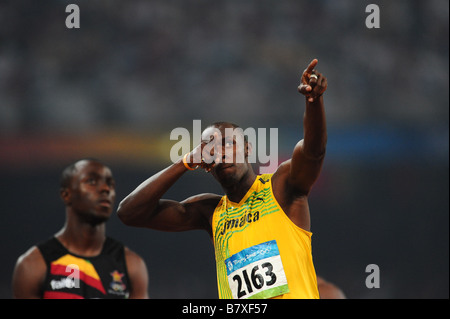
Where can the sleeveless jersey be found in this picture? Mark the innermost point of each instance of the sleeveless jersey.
(260, 253)
(71, 276)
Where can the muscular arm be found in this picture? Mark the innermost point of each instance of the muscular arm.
(294, 178)
(308, 155)
(29, 274)
(137, 270)
(144, 207)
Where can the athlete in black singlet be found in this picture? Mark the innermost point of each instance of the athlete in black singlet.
(80, 261)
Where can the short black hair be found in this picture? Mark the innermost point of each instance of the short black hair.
(220, 123)
(68, 172)
(224, 123)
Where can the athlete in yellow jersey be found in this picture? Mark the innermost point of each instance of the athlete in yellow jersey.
(258, 221)
(261, 227)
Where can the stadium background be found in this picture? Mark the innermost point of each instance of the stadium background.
(135, 70)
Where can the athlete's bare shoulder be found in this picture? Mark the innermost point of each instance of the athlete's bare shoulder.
(328, 290)
(31, 257)
(29, 273)
(280, 181)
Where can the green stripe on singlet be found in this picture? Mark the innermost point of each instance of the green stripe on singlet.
(266, 206)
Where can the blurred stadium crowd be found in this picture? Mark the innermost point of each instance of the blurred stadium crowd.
(150, 64)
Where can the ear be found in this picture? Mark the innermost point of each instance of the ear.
(65, 195)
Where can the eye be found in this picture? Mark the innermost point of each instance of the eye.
(92, 181)
(111, 183)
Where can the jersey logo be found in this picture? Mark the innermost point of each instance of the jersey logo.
(117, 287)
(263, 181)
(240, 221)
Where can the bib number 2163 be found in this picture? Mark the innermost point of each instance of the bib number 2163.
(257, 272)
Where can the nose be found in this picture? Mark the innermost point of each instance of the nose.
(104, 187)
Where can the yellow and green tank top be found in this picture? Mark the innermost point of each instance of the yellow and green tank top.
(260, 253)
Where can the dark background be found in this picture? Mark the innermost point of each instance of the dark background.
(135, 70)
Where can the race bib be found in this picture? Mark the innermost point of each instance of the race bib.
(257, 272)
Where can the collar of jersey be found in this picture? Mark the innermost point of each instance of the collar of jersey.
(246, 196)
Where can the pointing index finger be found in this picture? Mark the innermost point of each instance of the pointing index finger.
(311, 66)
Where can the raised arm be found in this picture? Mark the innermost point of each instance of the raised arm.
(308, 154)
(144, 207)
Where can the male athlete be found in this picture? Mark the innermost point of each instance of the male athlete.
(261, 227)
(80, 261)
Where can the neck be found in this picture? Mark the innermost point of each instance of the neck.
(82, 238)
(237, 191)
